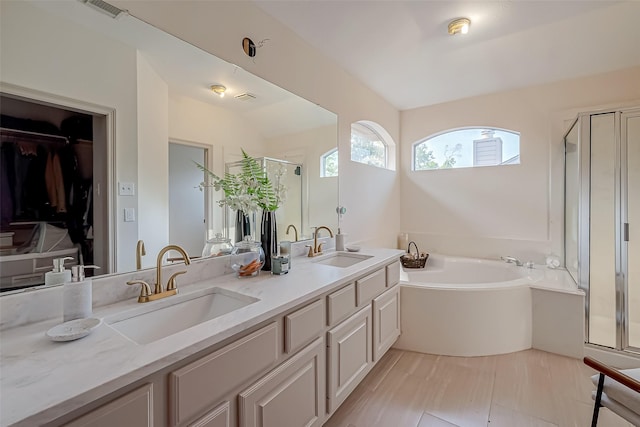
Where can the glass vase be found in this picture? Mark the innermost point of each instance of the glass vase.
(244, 225)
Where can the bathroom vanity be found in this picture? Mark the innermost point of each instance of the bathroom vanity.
(288, 356)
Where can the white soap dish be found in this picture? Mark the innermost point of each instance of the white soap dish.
(73, 329)
(353, 248)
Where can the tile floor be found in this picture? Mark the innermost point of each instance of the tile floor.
(523, 389)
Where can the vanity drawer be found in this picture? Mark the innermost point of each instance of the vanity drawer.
(341, 304)
(204, 383)
(134, 409)
(393, 274)
(303, 326)
(370, 286)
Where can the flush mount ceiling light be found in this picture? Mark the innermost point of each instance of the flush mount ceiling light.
(459, 26)
(219, 90)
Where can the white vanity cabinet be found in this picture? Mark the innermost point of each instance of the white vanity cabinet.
(354, 345)
(293, 371)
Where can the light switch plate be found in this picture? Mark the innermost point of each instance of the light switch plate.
(126, 189)
(129, 214)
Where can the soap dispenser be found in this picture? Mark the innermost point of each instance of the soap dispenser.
(59, 274)
(77, 295)
(339, 240)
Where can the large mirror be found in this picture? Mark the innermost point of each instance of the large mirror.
(146, 97)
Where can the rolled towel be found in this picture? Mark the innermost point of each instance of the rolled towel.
(553, 262)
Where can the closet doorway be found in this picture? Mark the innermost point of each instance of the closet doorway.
(55, 186)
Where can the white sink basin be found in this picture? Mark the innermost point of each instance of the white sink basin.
(174, 314)
(341, 259)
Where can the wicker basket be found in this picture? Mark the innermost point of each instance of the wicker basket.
(417, 260)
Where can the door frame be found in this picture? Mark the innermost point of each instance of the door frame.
(104, 177)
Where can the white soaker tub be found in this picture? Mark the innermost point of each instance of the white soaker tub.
(472, 307)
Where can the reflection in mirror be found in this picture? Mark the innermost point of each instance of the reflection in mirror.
(149, 88)
(281, 173)
(571, 196)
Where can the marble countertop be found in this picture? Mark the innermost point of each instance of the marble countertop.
(41, 380)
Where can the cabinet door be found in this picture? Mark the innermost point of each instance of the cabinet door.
(134, 409)
(349, 353)
(292, 395)
(218, 417)
(386, 321)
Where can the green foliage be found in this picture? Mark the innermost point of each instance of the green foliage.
(425, 160)
(366, 151)
(331, 164)
(247, 190)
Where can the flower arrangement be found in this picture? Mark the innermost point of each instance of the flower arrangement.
(249, 190)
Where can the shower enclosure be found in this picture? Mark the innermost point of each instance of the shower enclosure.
(602, 223)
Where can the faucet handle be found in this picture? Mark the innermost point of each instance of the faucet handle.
(311, 251)
(145, 289)
(319, 248)
(171, 284)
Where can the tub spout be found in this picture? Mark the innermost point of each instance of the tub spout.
(511, 259)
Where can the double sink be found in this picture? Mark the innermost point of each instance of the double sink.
(166, 317)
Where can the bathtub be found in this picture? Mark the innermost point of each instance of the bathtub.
(472, 307)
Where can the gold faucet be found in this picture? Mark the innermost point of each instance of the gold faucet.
(316, 249)
(140, 252)
(158, 293)
(294, 229)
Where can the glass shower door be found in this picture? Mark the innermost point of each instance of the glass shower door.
(602, 231)
(631, 224)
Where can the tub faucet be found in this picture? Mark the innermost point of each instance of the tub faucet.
(511, 259)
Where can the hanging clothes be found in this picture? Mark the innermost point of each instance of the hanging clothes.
(55, 183)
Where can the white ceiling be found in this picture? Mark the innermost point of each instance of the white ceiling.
(401, 49)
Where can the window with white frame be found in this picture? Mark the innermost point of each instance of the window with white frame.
(329, 163)
(368, 146)
(467, 147)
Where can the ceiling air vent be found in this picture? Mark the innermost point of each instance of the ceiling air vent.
(104, 7)
(245, 96)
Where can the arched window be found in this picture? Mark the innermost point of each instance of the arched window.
(467, 147)
(329, 163)
(371, 145)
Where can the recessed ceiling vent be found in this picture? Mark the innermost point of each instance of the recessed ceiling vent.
(104, 7)
(245, 96)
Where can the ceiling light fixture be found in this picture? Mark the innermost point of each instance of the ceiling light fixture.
(219, 90)
(459, 26)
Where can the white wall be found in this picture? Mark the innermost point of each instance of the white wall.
(288, 62)
(37, 48)
(516, 209)
(220, 131)
(153, 164)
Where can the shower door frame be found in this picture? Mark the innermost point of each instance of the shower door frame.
(621, 187)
